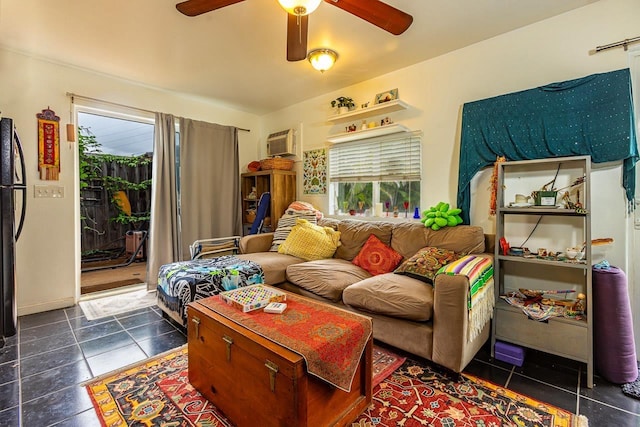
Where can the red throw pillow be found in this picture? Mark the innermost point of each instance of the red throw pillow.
(376, 257)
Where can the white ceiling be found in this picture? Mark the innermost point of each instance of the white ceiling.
(237, 55)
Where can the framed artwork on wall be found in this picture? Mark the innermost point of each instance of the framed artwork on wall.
(314, 167)
(387, 96)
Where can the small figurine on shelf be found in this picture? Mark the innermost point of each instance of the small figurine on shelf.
(253, 195)
(579, 305)
(416, 213)
(395, 212)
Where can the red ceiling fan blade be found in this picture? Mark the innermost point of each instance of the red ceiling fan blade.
(198, 7)
(377, 13)
(297, 30)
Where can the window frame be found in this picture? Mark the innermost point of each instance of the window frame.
(411, 141)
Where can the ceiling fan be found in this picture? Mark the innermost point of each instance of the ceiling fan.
(375, 12)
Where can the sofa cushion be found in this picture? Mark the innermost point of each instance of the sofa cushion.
(409, 237)
(285, 224)
(329, 222)
(354, 234)
(376, 257)
(326, 278)
(310, 242)
(426, 262)
(391, 295)
(273, 264)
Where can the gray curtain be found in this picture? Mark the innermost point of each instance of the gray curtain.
(206, 203)
(164, 226)
(209, 182)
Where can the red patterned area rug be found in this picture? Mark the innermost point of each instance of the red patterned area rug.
(156, 392)
(384, 363)
(417, 394)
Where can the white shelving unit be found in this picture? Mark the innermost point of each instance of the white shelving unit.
(367, 133)
(557, 228)
(364, 113)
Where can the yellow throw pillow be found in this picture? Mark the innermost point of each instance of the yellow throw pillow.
(310, 242)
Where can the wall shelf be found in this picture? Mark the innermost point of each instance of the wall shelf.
(368, 133)
(361, 113)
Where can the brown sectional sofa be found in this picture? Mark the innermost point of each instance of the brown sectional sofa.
(409, 314)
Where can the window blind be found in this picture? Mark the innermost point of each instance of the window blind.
(395, 157)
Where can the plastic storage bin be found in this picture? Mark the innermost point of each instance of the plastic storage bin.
(509, 353)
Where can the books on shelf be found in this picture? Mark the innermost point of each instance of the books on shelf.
(249, 298)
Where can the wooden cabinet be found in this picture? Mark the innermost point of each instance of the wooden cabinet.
(282, 186)
(547, 231)
(256, 382)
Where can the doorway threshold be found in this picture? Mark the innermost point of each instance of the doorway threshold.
(111, 292)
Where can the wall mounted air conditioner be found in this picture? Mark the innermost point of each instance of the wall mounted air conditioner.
(281, 143)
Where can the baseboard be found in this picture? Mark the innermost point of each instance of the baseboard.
(46, 306)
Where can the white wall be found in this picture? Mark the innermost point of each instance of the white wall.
(554, 50)
(48, 250)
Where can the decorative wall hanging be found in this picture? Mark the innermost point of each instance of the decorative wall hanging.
(48, 145)
(315, 171)
(592, 115)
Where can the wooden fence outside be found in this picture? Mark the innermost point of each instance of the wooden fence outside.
(99, 231)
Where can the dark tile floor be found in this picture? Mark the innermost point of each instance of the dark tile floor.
(42, 366)
(560, 382)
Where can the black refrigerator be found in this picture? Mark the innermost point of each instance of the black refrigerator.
(12, 183)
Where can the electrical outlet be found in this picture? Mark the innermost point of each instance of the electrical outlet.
(48, 191)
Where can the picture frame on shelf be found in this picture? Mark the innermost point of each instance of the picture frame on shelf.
(389, 95)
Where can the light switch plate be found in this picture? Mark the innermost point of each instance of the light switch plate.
(48, 191)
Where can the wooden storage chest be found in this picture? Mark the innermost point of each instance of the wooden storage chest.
(256, 382)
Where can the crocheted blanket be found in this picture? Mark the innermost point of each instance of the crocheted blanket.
(479, 271)
(180, 283)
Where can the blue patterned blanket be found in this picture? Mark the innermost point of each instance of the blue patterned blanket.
(180, 283)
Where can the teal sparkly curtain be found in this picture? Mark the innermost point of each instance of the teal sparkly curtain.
(592, 116)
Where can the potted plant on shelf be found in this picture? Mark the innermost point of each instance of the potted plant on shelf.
(343, 103)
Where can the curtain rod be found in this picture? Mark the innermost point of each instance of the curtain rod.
(88, 98)
(625, 43)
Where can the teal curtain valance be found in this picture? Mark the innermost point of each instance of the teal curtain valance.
(592, 116)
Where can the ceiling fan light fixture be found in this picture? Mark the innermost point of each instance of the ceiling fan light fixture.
(299, 7)
(322, 59)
